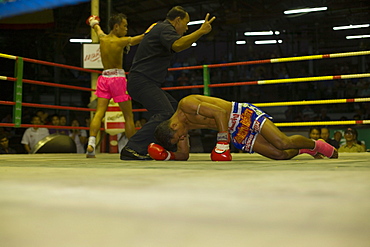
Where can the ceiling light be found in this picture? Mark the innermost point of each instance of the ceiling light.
(259, 33)
(265, 42)
(358, 37)
(80, 40)
(241, 42)
(195, 22)
(304, 10)
(351, 27)
(194, 44)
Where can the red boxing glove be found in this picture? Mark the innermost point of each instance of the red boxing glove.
(158, 152)
(93, 20)
(222, 150)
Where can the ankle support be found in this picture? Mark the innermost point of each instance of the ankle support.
(324, 148)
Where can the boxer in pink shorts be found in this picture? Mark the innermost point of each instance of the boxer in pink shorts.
(112, 83)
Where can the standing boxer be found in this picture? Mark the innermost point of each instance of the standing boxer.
(112, 83)
(148, 71)
(243, 124)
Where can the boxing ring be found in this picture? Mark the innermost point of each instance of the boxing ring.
(206, 86)
(68, 200)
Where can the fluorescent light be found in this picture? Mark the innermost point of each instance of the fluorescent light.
(351, 27)
(305, 10)
(265, 42)
(80, 40)
(259, 33)
(194, 44)
(195, 22)
(358, 37)
(241, 42)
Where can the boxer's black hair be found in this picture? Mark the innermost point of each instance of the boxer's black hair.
(116, 19)
(163, 134)
(175, 12)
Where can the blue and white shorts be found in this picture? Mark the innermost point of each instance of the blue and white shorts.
(245, 123)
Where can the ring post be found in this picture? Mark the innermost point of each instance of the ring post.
(17, 110)
(95, 40)
(206, 80)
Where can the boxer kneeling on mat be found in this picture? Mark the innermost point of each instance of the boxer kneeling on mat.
(244, 125)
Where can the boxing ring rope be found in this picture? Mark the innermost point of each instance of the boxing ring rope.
(276, 81)
(313, 102)
(345, 122)
(17, 58)
(289, 80)
(206, 86)
(50, 84)
(277, 60)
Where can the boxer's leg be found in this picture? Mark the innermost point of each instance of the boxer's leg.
(95, 126)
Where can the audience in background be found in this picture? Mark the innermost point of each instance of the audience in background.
(140, 122)
(314, 133)
(55, 120)
(62, 120)
(359, 142)
(79, 136)
(34, 134)
(325, 135)
(351, 145)
(43, 116)
(338, 136)
(4, 145)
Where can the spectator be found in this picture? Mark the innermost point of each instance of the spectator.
(138, 124)
(143, 121)
(4, 145)
(314, 133)
(43, 116)
(362, 143)
(351, 145)
(338, 137)
(325, 135)
(55, 120)
(34, 134)
(62, 120)
(79, 136)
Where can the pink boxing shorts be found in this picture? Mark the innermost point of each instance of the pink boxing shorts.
(245, 123)
(113, 84)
